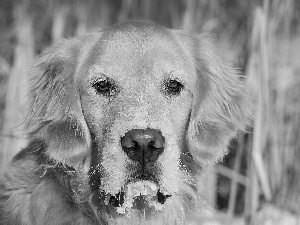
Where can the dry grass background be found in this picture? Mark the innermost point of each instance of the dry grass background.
(259, 180)
(273, 71)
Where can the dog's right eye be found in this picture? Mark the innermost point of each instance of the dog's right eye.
(104, 87)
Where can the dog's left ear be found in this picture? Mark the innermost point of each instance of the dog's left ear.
(222, 103)
(55, 115)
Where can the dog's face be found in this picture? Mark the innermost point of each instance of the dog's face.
(137, 105)
(139, 110)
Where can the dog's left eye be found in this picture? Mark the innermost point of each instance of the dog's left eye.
(173, 87)
(104, 87)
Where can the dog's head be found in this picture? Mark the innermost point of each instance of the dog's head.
(140, 110)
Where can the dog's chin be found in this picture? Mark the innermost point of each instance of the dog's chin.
(142, 196)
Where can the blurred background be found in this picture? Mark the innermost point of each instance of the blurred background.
(258, 182)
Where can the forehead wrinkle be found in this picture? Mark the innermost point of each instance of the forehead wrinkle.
(136, 39)
(127, 39)
(141, 59)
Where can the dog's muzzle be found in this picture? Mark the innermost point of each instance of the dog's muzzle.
(142, 146)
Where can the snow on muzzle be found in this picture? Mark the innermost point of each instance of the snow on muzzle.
(138, 195)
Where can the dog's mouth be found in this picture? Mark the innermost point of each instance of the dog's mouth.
(139, 195)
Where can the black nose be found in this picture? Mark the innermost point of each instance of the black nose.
(143, 145)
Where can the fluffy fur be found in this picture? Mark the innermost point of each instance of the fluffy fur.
(75, 159)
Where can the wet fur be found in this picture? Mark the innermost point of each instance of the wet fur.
(55, 179)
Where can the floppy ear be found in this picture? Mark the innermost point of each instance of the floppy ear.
(221, 101)
(55, 114)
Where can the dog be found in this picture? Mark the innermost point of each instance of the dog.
(123, 124)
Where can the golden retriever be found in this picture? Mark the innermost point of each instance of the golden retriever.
(123, 124)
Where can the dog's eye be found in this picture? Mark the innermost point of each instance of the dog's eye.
(103, 87)
(173, 87)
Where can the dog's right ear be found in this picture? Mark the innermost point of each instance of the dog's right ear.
(55, 114)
